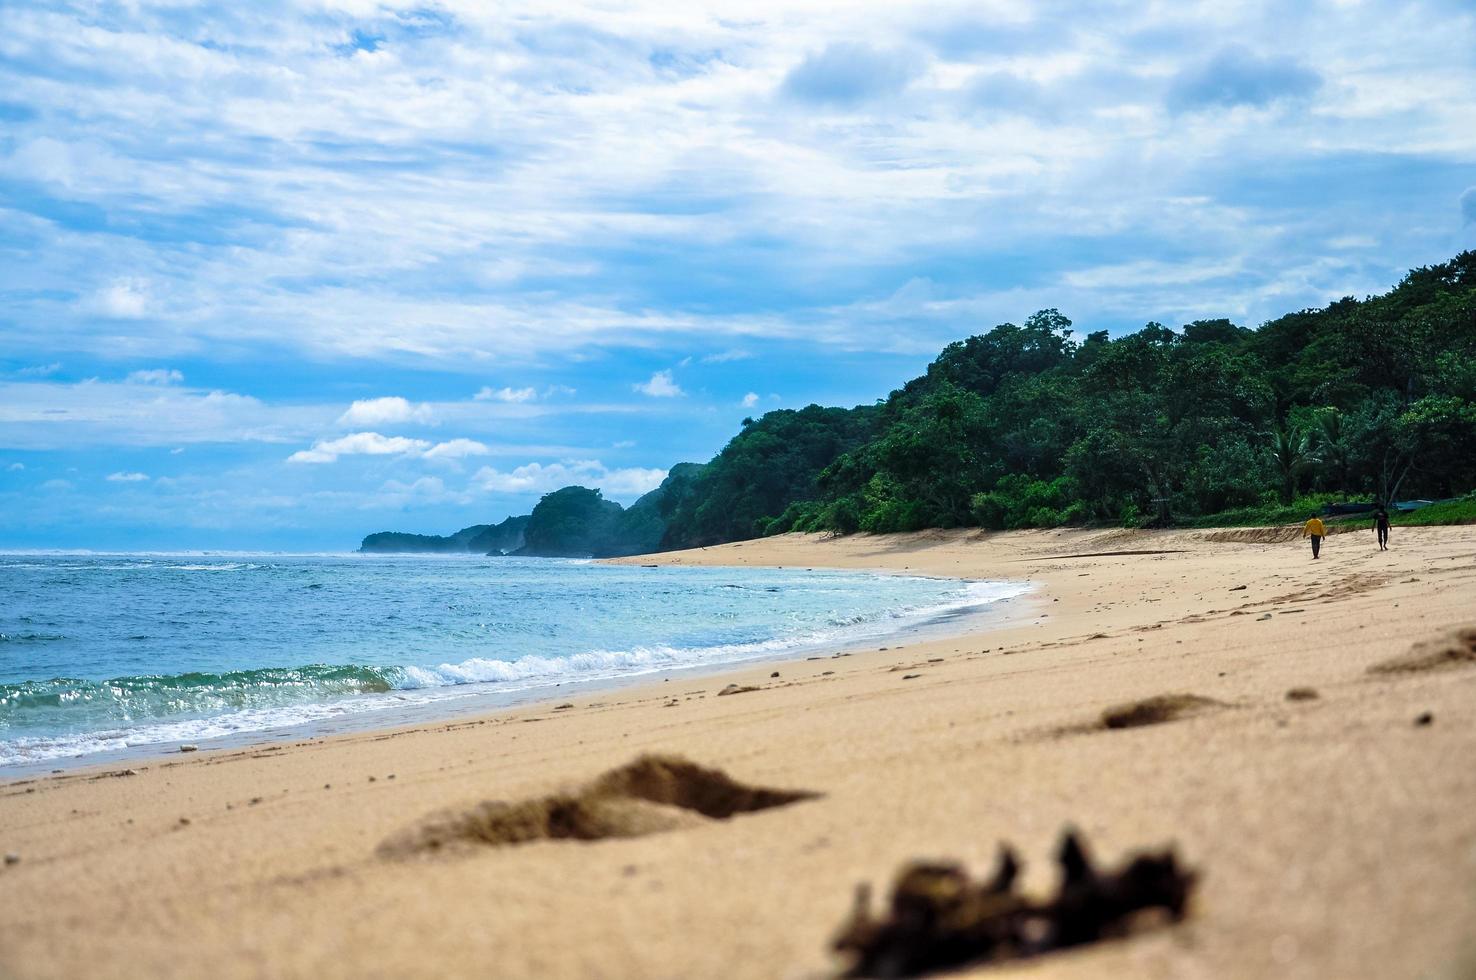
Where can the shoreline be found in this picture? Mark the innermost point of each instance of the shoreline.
(454, 702)
(1306, 817)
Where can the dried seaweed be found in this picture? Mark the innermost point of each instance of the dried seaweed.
(940, 919)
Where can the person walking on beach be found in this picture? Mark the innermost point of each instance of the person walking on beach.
(1315, 530)
(1381, 527)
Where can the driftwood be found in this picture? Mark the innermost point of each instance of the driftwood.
(940, 919)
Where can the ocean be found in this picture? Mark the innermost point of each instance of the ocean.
(107, 654)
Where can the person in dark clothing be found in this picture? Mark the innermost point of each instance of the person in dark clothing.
(1381, 527)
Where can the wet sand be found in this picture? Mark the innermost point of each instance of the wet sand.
(1336, 835)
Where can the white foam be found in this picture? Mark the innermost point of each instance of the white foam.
(476, 675)
(535, 670)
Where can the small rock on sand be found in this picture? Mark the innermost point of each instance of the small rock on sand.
(1302, 694)
(774, 674)
(1425, 718)
(736, 689)
(12, 858)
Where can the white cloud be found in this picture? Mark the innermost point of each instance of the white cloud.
(457, 449)
(40, 370)
(422, 491)
(56, 485)
(16, 467)
(49, 415)
(725, 356)
(358, 444)
(155, 376)
(751, 399)
(661, 385)
(124, 299)
(385, 411)
(543, 478)
(385, 233)
(123, 477)
(513, 395)
(847, 73)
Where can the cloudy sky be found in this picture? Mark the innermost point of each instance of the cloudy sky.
(275, 275)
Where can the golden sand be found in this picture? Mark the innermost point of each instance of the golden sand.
(1336, 835)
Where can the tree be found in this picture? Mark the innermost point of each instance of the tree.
(1333, 447)
(1292, 454)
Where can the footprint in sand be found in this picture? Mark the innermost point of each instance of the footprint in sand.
(655, 793)
(1452, 649)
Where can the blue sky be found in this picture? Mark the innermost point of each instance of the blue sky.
(275, 275)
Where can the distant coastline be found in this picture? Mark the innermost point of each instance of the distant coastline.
(1031, 426)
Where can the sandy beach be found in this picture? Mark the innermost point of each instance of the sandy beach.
(1335, 835)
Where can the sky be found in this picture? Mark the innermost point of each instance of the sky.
(276, 275)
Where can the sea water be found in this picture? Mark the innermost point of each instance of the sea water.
(106, 652)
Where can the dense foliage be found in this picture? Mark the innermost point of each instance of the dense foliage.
(1031, 426)
(398, 542)
(774, 462)
(500, 539)
(577, 522)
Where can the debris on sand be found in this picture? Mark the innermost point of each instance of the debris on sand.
(1452, 649)
(189, 748)
(654, 793)
(1302, 694)
(1424, 718)
(1156, 710)
(939, 919)
(736, 689)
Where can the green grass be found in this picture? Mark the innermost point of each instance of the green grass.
(1265, 515)
(1461, 511)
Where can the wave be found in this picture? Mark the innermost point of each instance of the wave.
(135, 694)
(86, 716)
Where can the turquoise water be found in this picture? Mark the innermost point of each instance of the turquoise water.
(102, 652)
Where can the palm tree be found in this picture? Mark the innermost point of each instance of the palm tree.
(1292, 452)
(1333, 444)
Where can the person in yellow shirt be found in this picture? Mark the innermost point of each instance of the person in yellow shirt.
(1315, 530)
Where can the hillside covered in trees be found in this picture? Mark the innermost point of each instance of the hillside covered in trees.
(1036, 425)
(573, 522)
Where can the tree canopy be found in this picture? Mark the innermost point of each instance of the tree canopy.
(1031, 426)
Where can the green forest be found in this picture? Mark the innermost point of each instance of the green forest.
(1036, 425)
